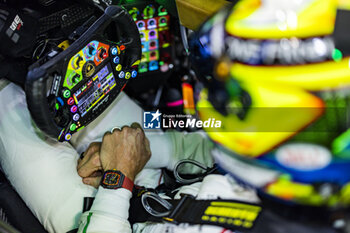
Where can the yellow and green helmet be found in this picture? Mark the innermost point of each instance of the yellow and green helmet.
(277, 75)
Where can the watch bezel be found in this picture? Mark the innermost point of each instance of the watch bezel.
(116, 185)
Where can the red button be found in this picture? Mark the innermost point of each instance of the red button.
(70, 101)
(122, 47)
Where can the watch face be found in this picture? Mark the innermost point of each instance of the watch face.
(112, 179)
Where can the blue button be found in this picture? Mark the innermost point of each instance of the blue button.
(76, 117)
(153, 65)
(116, 60)
(91, 50)
(59, 99)
(134, 74)
(114, 51)
(121, 74)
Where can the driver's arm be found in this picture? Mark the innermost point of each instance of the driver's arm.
(109, 213)
(127, 151)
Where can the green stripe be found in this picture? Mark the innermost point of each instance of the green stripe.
(88, 222)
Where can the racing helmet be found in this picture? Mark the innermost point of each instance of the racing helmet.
(277, 75)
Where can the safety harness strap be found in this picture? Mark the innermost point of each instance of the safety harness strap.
(229, 214)
(147, 206)
(172, 180)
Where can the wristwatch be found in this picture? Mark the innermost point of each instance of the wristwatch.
(114, 179)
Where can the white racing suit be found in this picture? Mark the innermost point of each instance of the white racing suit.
(109, 212)
(44, 172)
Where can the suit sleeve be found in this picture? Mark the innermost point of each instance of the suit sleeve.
(194, 146)
(171, 146)
(108, 214)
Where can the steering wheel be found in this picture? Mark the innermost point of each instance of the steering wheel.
(66, 91)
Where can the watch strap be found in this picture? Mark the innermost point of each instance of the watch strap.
(128, 184)
(114, 179)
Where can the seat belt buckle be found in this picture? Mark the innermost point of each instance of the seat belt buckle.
(180, 208)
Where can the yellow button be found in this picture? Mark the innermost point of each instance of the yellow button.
(127, 75)
(119, 67)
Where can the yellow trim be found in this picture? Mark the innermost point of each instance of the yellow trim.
(313, 77)
(236, 205)
(277, 113)
(290, 190)
(168, 219)
(344, 4)
(94, 78)
(75, 99)
(136, 63)
(64, 44)
(316, 19)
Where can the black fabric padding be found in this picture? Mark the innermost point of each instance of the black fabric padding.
(14, 45)
(16, 211)
(341, 33)
(14, 70)
(20, 42)
(38, 104)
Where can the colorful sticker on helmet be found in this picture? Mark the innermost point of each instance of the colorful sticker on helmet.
(302, 156)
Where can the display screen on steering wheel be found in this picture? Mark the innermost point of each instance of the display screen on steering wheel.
(68, 90)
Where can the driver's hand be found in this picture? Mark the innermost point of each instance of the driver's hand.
(126, 150)
(89, 166)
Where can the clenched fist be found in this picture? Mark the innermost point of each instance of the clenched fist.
(126, 150)
(89, 166)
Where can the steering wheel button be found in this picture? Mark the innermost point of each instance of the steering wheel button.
(118, 68)
(74, 109)
(70, 101)
(141, 25)
(77, 62)
(134, 74)
(66, 94)
(68, 136)
(127, 75)
(122, 47)
(76, 78)
(114, 51)
(57, 106)
(60, 101)
(76, 117)
(91, 51)
(121, 74)
(102, 53)
(116, 60)
(73, 127)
